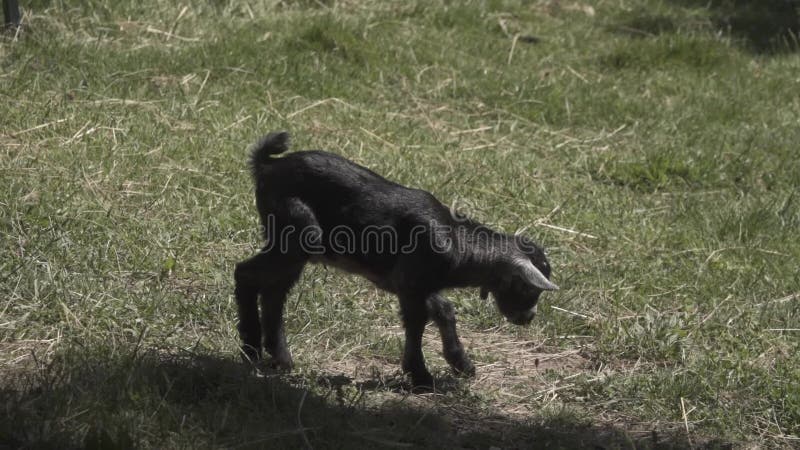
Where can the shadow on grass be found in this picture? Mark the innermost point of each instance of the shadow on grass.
(763, 26)
(104, 400)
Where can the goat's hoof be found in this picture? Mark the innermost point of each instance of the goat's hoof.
(422, 381)
(250, 354)
(282, 364)
(464, 368)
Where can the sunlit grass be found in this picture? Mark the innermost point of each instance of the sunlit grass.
(652, 152)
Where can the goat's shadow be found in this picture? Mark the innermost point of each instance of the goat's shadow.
(395, 383)
(763, 27)
(157, 399)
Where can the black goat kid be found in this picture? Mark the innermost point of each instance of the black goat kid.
(319, 207)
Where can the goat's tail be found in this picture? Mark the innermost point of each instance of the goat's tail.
(271, 144)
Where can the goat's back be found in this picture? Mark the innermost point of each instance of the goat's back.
(341, 192)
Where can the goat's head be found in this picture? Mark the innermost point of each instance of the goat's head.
(523, 273)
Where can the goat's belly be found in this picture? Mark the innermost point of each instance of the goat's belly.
(353, 266)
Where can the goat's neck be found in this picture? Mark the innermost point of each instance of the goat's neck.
(479, 253)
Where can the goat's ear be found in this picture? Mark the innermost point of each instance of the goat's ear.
(534, 275)
(484, 293)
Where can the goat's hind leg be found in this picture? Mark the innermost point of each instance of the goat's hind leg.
(247, 279)
(443, 314)
(272, 276)
(273, 299)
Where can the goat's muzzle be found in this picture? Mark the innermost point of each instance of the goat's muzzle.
(522, 317)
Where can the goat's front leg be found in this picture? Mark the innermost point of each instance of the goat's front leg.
(415, 316)
(444, 315)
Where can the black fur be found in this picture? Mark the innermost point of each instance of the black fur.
(406, 242)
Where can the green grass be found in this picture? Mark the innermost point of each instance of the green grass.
(651, 146)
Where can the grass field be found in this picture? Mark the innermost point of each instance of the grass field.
(650, 146)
